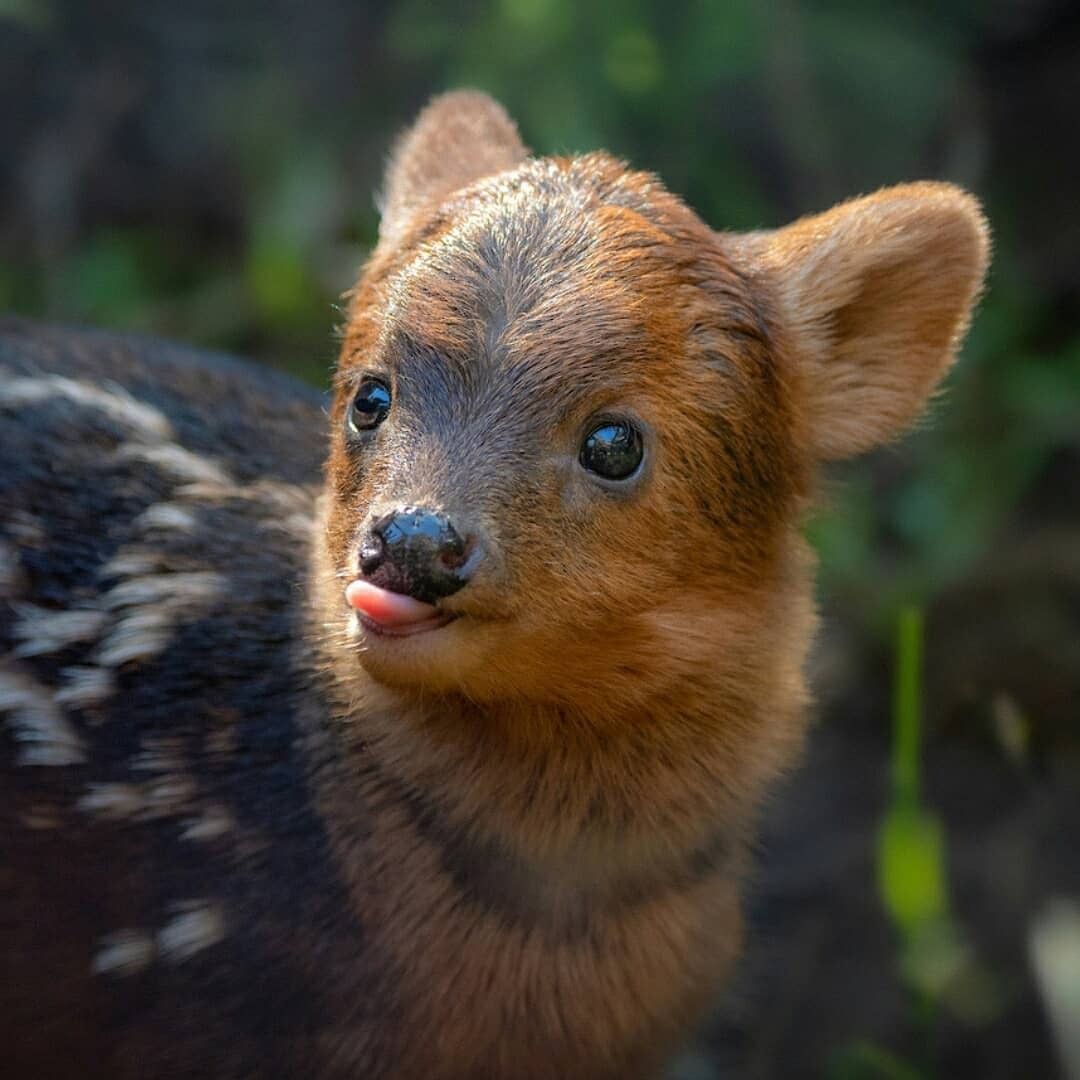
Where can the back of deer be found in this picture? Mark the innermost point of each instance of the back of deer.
(443, 764)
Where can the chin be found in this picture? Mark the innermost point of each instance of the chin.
(439, 658)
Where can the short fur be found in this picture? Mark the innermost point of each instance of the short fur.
(247, 838)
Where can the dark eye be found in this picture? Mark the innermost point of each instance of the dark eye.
(612, 450)
(370, 406)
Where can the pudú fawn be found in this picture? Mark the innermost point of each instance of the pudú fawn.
(444, 765)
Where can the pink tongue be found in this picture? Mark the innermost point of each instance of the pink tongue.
(388, 608)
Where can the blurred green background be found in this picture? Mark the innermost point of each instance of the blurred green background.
(206, 172)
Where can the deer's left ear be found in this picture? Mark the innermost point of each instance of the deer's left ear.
(457, 139)
(874, 296)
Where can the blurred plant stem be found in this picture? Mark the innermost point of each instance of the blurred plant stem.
(937, 964)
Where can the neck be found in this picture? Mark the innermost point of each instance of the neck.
(526, 905)
(527, 807)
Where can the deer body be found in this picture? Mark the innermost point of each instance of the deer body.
(443, 765)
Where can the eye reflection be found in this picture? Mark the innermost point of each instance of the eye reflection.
(370, 406)
(612, 450)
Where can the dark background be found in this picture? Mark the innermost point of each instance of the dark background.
(205, 171)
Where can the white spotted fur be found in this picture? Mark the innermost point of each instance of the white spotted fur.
(176, 461)
(159, 754)
(148, 610)
(214, 822)
(85, 687)
(11, 572)
(112, 802)
(124, 952)
(167, 515)
(39, 725)
(116, 403)
(197, 925)
(41, 631)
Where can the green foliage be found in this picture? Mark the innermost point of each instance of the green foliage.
(936, 962)
(911, 866)
(868, 1061)
(912, 875)
(31, 14)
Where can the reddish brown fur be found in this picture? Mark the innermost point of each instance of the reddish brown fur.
(626, 679)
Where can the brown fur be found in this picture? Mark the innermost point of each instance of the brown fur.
(242, 835)
(626, 679)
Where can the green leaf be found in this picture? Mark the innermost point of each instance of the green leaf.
(911, 867)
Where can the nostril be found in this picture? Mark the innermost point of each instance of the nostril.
(453, 559)
(452, 551)
(372, 553)
(462, 566)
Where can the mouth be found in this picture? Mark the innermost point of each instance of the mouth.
(392, 614)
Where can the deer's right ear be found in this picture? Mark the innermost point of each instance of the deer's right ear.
(458, 138)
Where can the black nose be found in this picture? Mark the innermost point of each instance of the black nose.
(417, 552)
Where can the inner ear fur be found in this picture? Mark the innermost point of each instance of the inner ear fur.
(457, 139)
(875, 297)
